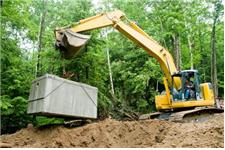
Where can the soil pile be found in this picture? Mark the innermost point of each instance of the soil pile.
(112, 133)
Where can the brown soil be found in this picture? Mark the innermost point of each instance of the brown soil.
(112, 133)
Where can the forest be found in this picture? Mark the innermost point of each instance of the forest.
(127, 78)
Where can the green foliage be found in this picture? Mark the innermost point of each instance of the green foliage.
(42, 121)
(6, 107)
(13, 114)
(104, 105)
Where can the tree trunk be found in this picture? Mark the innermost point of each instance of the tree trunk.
(110, 73)
(41, 30)
(86, 68)
(161, 26)
(190, 43)
(191, 53)
(176, 51)
(202, 61)
(213, 59)
(217, 7)
(109, 67)
(162, 31)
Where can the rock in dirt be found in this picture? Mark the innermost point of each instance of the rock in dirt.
(113, 133)
(5, 145)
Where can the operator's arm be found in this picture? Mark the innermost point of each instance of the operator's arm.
(134, 33)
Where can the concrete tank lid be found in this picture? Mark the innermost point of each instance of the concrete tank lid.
(64, 80)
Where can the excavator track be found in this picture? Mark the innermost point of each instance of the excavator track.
(194, 115)
(150, 116)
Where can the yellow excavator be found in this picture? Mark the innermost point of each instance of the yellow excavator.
(184, 94)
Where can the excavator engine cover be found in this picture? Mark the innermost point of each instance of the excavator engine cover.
(70, 43)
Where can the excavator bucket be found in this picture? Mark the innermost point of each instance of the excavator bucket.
(70, 43)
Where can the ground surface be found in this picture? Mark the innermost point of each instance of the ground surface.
(112, 133)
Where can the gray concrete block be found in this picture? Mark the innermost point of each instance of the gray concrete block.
(55, 96)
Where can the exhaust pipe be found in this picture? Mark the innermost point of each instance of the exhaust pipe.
(70, 43)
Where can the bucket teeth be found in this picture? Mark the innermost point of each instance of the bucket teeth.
(70, 43)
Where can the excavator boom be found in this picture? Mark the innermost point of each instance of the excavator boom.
(70, 41)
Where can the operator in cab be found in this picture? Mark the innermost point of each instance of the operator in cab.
(189, 89)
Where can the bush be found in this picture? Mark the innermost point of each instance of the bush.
(13, 114)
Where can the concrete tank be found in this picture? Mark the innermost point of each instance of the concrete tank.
(54, 96)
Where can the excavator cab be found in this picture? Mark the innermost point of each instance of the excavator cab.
(190, 89)
(69, 43)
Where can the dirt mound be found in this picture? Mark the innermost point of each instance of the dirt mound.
(112, 133)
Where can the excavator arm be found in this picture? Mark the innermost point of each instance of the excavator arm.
(70, 41)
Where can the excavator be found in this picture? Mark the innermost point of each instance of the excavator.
(178, 100)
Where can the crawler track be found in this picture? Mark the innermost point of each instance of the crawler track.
(194, 115)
